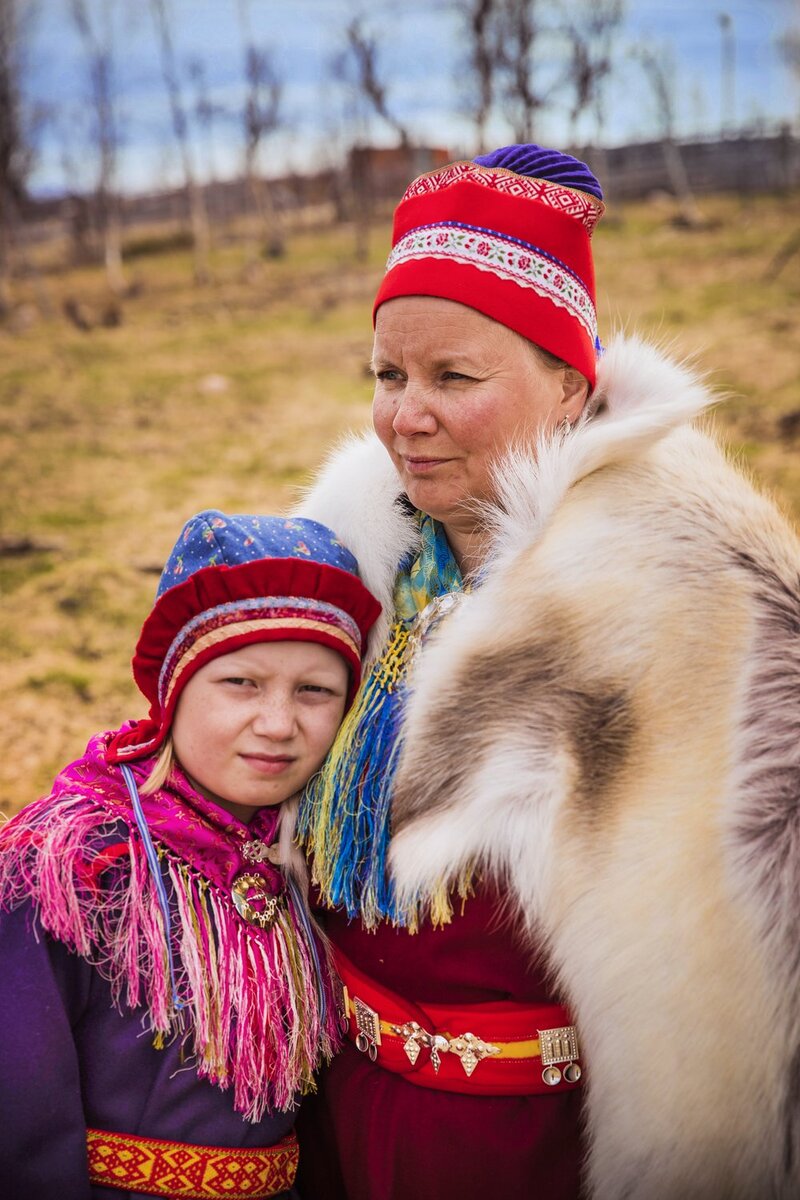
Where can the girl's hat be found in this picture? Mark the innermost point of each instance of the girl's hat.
(509, 235)
(234, 580)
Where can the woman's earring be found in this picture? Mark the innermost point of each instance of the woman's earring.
(566, 426)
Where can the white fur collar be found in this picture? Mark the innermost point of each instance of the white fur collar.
(641, 395)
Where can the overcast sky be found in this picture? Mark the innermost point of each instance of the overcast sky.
(421, 56)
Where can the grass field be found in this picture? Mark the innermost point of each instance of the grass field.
(229, 396)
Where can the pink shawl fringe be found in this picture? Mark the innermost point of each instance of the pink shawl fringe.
(251, 1016)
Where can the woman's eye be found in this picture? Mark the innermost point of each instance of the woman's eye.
(237, 680)
(388, 375)
(455, 375)
(316, 689)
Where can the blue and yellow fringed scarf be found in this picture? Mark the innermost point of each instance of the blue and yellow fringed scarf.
(344, 813)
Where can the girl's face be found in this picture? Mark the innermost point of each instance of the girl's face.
(251, 727)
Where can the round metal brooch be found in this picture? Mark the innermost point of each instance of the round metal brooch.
(253, 902)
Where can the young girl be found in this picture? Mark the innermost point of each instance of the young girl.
(164, 999)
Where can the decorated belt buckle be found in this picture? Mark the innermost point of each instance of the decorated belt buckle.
(559, 1046)
(253, 902)
(368, 1024)
(470, 1049)
(415, 1037)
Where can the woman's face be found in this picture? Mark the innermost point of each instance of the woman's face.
(454, 390)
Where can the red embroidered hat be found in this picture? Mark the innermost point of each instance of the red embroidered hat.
(509, 235)
(234, 580)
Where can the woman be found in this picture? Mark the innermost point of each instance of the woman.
(593, 785)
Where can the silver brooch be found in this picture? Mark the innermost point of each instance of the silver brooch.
(429, 617)
(256, 852)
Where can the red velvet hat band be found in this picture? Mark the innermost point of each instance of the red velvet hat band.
(217, 610)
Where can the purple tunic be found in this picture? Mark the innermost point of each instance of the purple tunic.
(69, 1060)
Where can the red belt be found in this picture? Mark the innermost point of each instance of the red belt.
(181, 1171)
(494, 1049)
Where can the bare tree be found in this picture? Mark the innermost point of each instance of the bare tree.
(480, 22)
(261, 117)
(357, 67)
(789, 49)
(591, 28)
(520, 29)
(16, 153)
(99, 55)
(363, 51)
(205, 111)
(198, 216)
(658, 68)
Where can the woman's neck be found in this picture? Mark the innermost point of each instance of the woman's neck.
(469, 545)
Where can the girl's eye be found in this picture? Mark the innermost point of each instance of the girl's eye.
(237, 680)
(315, 689)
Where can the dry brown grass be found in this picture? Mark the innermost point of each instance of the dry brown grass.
(229, 396)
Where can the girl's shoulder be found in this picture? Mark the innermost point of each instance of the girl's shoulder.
(59, 851)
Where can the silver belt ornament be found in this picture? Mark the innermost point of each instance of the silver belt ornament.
(557, 1046)
(467, 1047)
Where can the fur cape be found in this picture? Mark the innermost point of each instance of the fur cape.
(611, 725)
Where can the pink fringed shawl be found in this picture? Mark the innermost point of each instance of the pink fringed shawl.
(256, 1007)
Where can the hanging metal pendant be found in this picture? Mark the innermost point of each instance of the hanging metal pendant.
(253, 902)
(558, 1047)
(368, 1024)
(429, 618)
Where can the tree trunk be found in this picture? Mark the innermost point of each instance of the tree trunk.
(201, 233)
(679, 182)
(6, 260)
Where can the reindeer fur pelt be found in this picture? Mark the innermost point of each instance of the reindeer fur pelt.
(611, 725)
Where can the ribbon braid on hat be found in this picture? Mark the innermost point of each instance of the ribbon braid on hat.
(508, 234)
(234, 580)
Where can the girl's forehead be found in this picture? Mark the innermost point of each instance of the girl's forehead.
(275, 656)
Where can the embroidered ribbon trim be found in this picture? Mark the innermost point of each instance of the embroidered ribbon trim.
(156, 1167)
(506, 257)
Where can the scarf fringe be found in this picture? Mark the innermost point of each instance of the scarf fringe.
(344, 814)
(251, 1017)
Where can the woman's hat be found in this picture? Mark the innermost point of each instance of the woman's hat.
(234, 580)
(507, 234)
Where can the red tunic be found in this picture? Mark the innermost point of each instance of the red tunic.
(370, 1135)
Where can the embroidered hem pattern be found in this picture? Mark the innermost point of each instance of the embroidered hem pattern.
(488, 251)
(185, 1172)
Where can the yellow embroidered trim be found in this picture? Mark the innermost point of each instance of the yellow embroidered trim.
(241, 627)
(182, 1171)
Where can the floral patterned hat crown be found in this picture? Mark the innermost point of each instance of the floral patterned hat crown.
(507, 234)
(234, 580)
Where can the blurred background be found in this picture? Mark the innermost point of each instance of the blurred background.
(195, 208)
